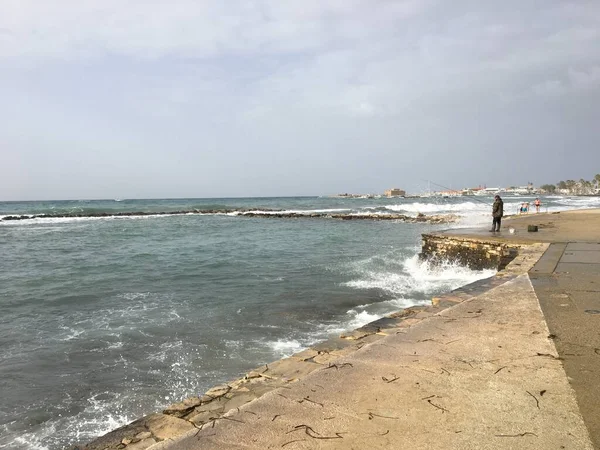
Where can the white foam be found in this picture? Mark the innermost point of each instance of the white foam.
(115, 345)
(579, 202)
(98, 418)
(439, 208)
(71, 333)
(293, 211)
(66, 220)
(284, 348)
(360, 318)
(418, 277)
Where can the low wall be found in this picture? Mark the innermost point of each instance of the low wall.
(477, 254)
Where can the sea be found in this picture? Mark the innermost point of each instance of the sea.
(106, 319)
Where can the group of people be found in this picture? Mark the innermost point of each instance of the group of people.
(498, 211)
(524, 208)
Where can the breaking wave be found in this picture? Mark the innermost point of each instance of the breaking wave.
(418, 277)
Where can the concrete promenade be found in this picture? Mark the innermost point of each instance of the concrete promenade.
(513, 366)
(566, 281)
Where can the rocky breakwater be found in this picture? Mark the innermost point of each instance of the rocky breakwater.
(475, 253)
(419, 218)
(111, 214)
(264, 214)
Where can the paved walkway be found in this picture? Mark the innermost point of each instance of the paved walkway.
(567, 226)
(567, 283)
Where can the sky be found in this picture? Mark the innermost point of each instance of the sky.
(212, 98)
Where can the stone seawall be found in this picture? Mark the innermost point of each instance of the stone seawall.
(477, 254)
(220, 402)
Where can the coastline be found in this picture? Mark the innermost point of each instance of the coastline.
(223, 401)
(219, 401)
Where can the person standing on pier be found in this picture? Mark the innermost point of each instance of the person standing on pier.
(497, 213)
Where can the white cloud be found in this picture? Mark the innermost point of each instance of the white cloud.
(149, 29)
(208, 74)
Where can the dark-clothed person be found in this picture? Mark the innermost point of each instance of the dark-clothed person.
(497, 213)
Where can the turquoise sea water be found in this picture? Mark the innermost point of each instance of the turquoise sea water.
(106, 319)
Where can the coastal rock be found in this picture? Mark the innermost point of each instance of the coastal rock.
(218, 391)
(216, 405)
(252, 374)
(163, 426)
(183, 408)
(477, 254)
(205, 399)
(407, 312)
(356, 334)
(143, 435)
(141, 445)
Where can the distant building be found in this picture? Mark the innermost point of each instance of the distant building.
(395, 192)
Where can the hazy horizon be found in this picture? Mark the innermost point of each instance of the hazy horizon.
(332, 194)
(105, 100)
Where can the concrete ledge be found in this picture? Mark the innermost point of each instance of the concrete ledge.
(475, 253)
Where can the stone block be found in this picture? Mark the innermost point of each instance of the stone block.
(163, 426)
(182, 408)
(216, 405)
(403, 314)
(252, 374)
(218, 391)
(143, 435)
(141, 445)
(356, 334)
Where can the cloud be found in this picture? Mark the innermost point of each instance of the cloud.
(212, 82)
(142, 29)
